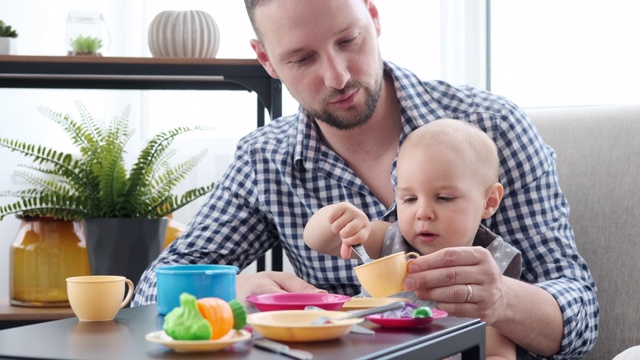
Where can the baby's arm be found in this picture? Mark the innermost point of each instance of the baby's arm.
(335, 227)
(499, 347)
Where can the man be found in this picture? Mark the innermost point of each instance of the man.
(342, 145)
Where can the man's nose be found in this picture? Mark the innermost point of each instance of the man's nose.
(336, 73)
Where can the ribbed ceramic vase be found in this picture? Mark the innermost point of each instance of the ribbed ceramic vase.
(188, 33)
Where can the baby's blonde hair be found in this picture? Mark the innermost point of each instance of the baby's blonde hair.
(445, 133)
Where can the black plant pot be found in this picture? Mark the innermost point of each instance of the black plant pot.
(123, 246)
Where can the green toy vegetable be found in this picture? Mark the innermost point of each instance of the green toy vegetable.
(422, 312)
(186, 322)
(239, 314)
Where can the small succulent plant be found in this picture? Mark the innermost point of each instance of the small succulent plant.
(85, 45)
(7, 31)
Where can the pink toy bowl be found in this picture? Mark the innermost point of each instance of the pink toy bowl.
(297, 301)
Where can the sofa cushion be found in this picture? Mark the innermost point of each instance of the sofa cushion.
(598, 162)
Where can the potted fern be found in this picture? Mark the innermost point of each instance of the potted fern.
(123, 210)
(7, 39)
(85, 46)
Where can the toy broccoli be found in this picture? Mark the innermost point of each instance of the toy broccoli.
(186, 322)
(422, 312)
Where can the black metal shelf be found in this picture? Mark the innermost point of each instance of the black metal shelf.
(129, 73)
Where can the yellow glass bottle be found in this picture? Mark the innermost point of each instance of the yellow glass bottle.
(46, 252)
(174, 229)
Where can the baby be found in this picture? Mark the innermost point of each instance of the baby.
(447, 174)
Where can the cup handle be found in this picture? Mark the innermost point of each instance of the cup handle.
(129, 293)
(411, 255)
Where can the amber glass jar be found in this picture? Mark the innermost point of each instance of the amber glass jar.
(174, 229)
(46, 252)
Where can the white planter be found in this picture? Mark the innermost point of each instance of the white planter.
(189, 33)
(8, 46)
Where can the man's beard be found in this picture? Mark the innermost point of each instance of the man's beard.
(353, 117)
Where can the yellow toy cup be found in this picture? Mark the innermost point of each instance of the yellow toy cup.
(383, 277)
(98, 297)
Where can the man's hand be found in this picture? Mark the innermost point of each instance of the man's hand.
(464, 281)
(351, 224)
(268, 282)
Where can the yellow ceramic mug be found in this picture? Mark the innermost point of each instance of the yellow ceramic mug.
(384, 276)
(98, 297)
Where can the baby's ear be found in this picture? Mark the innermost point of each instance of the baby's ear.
(494, 195)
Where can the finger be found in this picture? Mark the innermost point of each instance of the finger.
(358, 238)
(339, 223)
(453, 299)
(469, 306)
(448, 257)
(352, 231)
(430, 272)
(345, 251)
(336, 213)
(346, 226)
(455, 294)
(433, 281)
(291, 283)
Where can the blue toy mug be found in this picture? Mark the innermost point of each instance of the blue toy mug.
(198, 280)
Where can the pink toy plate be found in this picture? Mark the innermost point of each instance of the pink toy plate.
(406, 322)
(297, 301)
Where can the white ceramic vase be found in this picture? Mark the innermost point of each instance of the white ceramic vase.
(188, 33)
(8, 46)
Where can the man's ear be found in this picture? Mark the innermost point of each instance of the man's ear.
(375, 16)
(494, 195)
(263, 58)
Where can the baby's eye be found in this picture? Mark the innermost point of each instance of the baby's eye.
(409, 200)
(445, 198)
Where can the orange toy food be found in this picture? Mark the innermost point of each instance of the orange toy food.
(219, 315)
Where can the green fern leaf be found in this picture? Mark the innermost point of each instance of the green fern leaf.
(97, 183)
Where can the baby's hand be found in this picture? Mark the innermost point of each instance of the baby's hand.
(351, 224)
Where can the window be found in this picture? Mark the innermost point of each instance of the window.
(567, 52)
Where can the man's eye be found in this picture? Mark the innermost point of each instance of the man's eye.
(346, 41)
(350, 40)
(301, 60)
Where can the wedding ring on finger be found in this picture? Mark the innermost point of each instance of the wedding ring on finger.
(469, 294)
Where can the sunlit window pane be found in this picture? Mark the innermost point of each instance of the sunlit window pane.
(565, 52)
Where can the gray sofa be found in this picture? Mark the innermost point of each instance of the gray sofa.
(598, 161)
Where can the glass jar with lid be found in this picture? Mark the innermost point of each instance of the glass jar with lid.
(87, 33)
